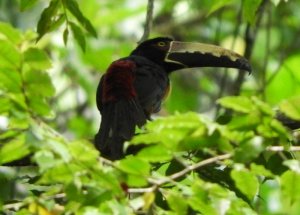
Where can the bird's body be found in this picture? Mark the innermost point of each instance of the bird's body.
(134, 87)
(130, 91)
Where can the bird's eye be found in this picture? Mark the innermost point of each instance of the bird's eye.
(161, 44)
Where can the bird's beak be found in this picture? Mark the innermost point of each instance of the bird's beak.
(204, 55)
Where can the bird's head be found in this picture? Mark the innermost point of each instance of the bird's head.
(174, 55)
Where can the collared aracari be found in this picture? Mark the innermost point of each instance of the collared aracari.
(134, 87)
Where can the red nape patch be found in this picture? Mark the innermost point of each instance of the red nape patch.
(118, 81)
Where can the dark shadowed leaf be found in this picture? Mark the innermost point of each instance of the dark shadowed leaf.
(45, 20)
(73, 7)
(79, 35)
(65, 36)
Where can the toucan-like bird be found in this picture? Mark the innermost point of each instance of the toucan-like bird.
(134, 87)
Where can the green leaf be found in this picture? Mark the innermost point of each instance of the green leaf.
(249, 149)
(45, 21)
(290, 188)
(27, 4)
(57, 21)
(38, 83)
(218, 4)
(245, 122)
(11, 81)
(134, 165)
(291, 107)
(73, 7)
(277, 89)
(5, 104)
(177, 202)
(10, 57)
(237, 103)
(246, 182)
(155, 153)
(78, 34)
(249, 10)
(60, 148)
(37, 59)
(45, 160)
(90, 155)
(39, 105)
(260, 170)
(11, 34)
(65, 36)
(13, 150)
(62, 173)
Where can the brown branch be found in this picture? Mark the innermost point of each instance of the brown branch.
(157, 184)
(148, 23)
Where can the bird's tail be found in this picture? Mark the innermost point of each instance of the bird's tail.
(118, 123)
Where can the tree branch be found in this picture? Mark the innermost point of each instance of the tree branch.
(281, 148)
(250, 36)
(157, 184)
(148, 23)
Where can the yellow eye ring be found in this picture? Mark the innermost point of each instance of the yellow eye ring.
(161, 44)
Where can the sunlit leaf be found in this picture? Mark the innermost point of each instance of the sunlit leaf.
(134, 165)
(38, 83)
(217, 4)
(10, 33)
(291, 107)
(13, 150)
(260, 170)
(155, 153)
(10, 57)
(250, 8)
(290, 188)
(237, 103)
(45, 160)
(249, 149)
(177, 202)
(285, 83)
(37, 59)
(246, 182)
(11, 81)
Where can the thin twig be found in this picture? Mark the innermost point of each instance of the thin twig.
(148, 23)
(159, 183)
(282, 148)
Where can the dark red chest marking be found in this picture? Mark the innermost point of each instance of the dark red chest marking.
(118, 81)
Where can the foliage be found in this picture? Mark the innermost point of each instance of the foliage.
(244, 162)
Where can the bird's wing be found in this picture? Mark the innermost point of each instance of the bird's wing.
(151, 85)
(121, 111)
